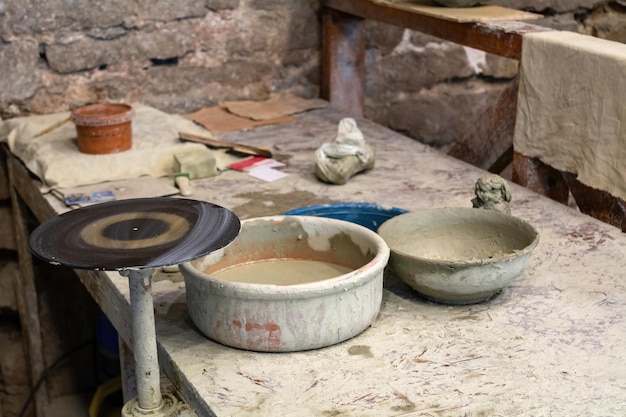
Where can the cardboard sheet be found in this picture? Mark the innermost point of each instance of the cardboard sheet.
(278, 105)
(462, 15)
(571, 113)
(217, 119)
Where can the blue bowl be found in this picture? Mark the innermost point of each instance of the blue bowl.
(364, 214)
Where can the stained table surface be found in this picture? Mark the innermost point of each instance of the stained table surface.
(551, 344)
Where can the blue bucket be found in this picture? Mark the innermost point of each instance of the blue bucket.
(365, 214)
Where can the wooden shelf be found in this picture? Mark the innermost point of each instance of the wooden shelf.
(343, 45)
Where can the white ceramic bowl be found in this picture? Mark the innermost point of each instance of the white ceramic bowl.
(458, 255)
(280, 312)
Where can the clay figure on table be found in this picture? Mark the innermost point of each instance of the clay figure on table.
(492, 193)
(347, 155)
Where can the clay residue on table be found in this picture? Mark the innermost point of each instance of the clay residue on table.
(265, 204)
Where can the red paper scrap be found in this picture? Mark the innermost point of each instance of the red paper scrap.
(246, 163)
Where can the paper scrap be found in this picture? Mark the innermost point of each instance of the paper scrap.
(266, 163)
(255, 162)
(95, 197)
(260, 168)
(267, 174)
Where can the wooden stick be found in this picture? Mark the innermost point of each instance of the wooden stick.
(51, 128)
(222, 144)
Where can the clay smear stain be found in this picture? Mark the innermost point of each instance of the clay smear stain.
(360, 350)
(590, 233)
(407, 405)
(261, 334)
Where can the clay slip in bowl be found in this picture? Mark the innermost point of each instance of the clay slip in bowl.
(283, 314)
(458, 255)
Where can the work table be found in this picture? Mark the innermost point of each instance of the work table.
(550, 344)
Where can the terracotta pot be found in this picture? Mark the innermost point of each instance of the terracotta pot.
(103, 128)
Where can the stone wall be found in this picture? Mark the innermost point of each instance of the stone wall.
(177, 55)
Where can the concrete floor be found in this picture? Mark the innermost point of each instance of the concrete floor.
(78, 405)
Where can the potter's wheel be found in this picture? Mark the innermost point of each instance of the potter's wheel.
(134, 234)
(134, 237)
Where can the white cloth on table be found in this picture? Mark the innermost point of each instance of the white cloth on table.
(572, 107)
(54, 157)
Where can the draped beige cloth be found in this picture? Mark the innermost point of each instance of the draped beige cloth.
(572, 107)
(54, 157)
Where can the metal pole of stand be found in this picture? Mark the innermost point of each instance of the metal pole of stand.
(153, 233)
(144, 339)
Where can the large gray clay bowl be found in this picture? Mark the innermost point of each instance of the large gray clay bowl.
(458, 255)
(285, 314)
